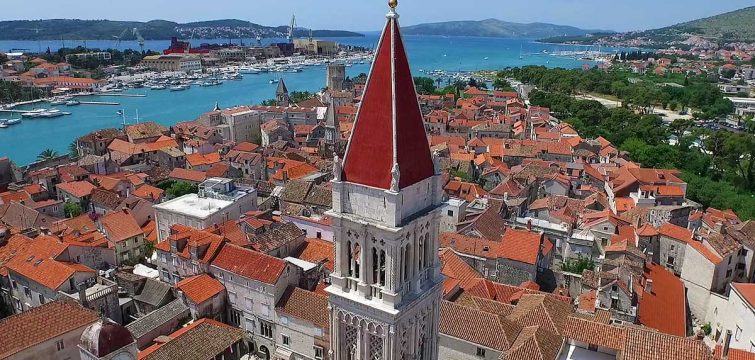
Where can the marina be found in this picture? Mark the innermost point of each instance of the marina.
(156, 103)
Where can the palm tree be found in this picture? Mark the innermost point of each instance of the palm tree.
(73, 150)
(48, 154)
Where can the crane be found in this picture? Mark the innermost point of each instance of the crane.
(139, 38)
(36, 31)
(291, 29)
(120, 37)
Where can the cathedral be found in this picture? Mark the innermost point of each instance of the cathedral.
(386, 287)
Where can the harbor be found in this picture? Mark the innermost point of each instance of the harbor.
(463, 56)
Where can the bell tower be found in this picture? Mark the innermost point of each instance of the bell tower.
(386, 287)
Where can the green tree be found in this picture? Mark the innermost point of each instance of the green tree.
(578, 266)
(47, 154)
(424, 85)
(502, 84)
(73, 150)
(72, 209)
(679, 126)
(181, 188)
(269, 102)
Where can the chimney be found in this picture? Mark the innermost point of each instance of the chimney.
(529, 225)
(727, 343)
(649, 286)
(82, 294)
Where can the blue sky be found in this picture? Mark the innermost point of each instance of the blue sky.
(363, 15)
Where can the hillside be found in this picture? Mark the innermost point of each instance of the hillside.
(737, 25)
(494, 28)
(74, 29)
(734, 26)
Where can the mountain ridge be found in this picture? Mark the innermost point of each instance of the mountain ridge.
(77, 29)
(492, 27)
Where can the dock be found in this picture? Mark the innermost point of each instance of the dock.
(98, 103)
(124, 95)
(14, 111)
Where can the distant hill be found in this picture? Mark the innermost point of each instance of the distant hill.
(495, 28)
(734, 26)
(737, 25)
(73, 29)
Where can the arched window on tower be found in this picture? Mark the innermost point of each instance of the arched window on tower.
(349, 258)
(375, 266)
(421, 257)
(355, 254)
(382, 267)
(428, 251)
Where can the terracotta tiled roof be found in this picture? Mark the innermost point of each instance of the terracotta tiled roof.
(595, 333)
(534, 343)
(204, 339)
(77, 189)
(317, 251)
(747, 291)
(190, 175)
(250, 264)
(120, 226)
(649, 345)
(469, 245)
(587, 301)
(42, 323)
(148, 192)
(675, 232)
(276, 237)
(543, 311)
(478, 327)
(17, 244)
(200, 288)
(734, 354)
(665, 309)
(197, 159)
(521, 245)
(305, 305)
(454, 267)
(505, 293)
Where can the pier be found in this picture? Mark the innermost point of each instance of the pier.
(98, 103)
(117, 94)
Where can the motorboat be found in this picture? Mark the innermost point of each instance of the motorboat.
(73, 103)
(248, 70)
(58, 101)
(10, 122)
(274, 81)
(3, 125)
(179, 88)
(52, 113)
(33, 113)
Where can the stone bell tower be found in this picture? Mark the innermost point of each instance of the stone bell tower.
(386, 286)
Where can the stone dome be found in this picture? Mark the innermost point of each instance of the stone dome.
(104, 337)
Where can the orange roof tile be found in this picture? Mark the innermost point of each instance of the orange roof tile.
(317, 251)
(78, 189)
(747, 291)
(120, 226)
(200, 288)
(665, 308)
(520, 245)
(250, 264)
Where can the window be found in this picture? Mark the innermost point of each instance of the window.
(166, 275)
(730, 259)
(266, 310)
(592, 347)
(235, 318)
(319, 235)
(286, 340)
(670, 260)
(318, 331)
(27, 292)
(319, 352)
(266, 329)
(728, 273)
(41, 299)
(250, 325)
(737, 333)
(249, 303)
(60, 345)
(480, 352)
(18, 304)
(450, 213)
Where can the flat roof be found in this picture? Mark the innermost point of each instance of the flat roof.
(194, 206)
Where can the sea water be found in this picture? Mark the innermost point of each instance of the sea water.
(23, 142)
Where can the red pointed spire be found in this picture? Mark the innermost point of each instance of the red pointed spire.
(389, 129)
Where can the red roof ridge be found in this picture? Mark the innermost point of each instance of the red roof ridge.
(389, 128)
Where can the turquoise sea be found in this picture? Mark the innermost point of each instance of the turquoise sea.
(23, 142)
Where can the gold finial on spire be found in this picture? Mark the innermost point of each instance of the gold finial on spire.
(393, 4)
